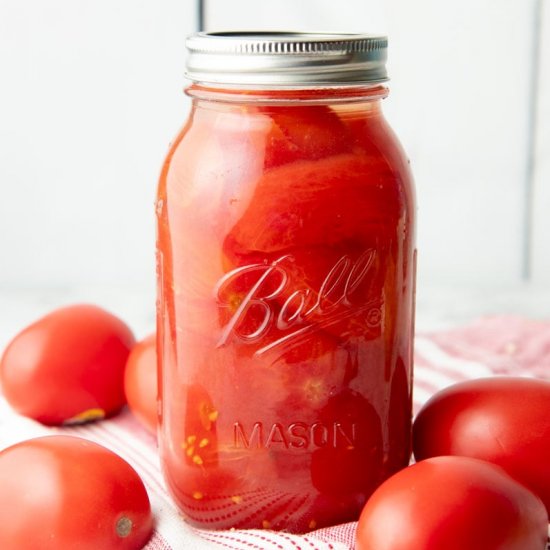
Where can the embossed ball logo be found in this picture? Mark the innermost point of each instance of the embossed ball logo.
(278, 304)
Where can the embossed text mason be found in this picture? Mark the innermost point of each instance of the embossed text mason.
(286, 264)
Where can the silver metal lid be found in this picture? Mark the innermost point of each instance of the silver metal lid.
(286, 59)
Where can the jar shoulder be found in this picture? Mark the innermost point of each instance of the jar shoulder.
(235, 149)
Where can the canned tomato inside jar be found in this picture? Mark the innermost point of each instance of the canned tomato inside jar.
(286, 266)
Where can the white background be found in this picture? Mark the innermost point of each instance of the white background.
(91, 95)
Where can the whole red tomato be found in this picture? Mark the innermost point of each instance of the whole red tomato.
(68, 366)
(140, 382)
(64, 492)
(502, 420)
(452, 503)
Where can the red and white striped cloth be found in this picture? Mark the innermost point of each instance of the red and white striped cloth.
(498, 345)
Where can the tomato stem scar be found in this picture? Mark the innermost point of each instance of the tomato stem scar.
(124, 526)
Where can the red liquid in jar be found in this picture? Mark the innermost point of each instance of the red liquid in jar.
(286, 294)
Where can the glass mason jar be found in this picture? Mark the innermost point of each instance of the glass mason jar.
(286, 266)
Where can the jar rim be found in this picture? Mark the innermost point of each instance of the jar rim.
(286, 59)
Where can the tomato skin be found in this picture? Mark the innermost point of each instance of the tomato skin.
(140, 382)
(504, 420)
(67, 492)
(68, 366)
(452, 503)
